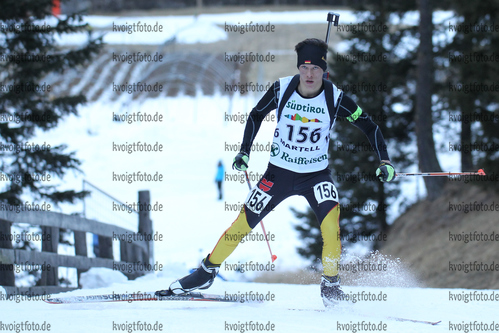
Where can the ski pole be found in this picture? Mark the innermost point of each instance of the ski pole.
(480, 172)
(273, 256)
(331, 18)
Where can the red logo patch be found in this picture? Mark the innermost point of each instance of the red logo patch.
(265, 185)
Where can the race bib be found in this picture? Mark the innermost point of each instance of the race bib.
(257, 200)
(325, 191)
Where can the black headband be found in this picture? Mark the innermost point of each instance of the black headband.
(313, 55)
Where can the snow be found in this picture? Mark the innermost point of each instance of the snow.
(194, 135)
(192, 219)
(209, 28)
(410, 303)
(99, 277)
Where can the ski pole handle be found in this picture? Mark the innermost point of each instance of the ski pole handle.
(331, 18)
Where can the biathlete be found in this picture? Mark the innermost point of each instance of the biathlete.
(307, 107)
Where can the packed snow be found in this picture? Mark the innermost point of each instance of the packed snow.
(286, 308)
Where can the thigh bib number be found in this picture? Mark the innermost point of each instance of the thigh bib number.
(325, 191)
(257, 200)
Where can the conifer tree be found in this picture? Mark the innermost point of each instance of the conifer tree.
(29, 52)
(467, 86)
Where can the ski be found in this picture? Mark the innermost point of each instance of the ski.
(192, 296)
(103, 298)
(146, 296)
(415, 320)
(391, 317)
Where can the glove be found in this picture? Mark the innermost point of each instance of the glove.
(385, 172)
(241, 161)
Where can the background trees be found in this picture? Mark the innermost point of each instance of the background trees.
(419, 75)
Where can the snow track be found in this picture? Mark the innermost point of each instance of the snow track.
(411, 303)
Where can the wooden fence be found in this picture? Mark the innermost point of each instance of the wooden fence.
(131, 251)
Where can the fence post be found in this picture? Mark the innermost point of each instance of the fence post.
(127, 252)
(50, 276)
(80, 249)
(145, 223)
(124, 255)
(105, 247)
(7, 277)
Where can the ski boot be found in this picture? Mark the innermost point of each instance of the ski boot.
(331, 292)
(202, 278)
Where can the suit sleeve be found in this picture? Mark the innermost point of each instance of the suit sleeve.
(353, 113)
(267, 103)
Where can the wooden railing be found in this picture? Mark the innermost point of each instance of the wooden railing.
(132, 251)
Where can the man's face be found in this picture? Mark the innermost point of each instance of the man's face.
(310, 79)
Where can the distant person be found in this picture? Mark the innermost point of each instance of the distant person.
(307, 107)
(219, 178)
